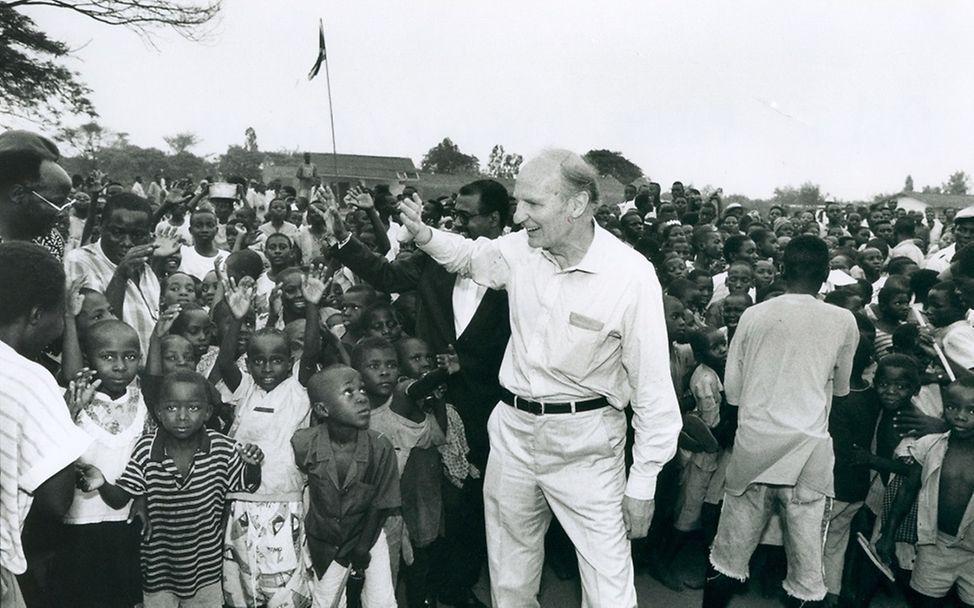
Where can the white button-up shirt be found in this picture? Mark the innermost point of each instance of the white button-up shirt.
(593, 329)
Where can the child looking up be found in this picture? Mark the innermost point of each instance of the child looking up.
(183, 472)
(942, 483)
(264, 560)
(352, 483)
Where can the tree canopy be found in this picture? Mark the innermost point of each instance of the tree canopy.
(446, 157)
(607, 162)
(36, 85)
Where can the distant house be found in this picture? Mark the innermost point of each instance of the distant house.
(396, 171)
(918, 201)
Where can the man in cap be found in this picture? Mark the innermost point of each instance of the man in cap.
(33, 190)
(963, 230)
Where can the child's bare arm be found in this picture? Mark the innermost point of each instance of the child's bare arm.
(239, 300)
(153, 359)
(92, 479)
(859, 455)
(313, 289)
(71, 359)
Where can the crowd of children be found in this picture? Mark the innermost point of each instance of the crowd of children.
(280, 437)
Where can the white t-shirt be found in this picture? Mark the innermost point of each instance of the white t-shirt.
(198, 265)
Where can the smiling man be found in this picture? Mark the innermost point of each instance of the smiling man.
(33, 190)
(587, 338)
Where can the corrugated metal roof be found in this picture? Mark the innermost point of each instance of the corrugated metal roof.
(356, 166)
(940, 201)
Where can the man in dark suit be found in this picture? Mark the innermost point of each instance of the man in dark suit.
(455, 311)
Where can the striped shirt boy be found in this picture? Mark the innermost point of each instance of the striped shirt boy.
(185, 550)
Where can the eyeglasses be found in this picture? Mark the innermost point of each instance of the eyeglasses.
(462, 217)
(56, 206)
(137, 236)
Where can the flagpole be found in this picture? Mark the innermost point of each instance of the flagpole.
(331, 118)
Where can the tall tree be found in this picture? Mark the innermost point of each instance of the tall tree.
(807, 195)
(495, 162)
(35, 85)
(607, 162)
(240, 162)
(181, 142)
(956, 183)
(446, 157)
(908, 186)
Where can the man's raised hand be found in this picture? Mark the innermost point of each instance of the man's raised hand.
(360, 197)
(411, 215)
(167, 242)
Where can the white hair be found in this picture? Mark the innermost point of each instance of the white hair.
(576, 173)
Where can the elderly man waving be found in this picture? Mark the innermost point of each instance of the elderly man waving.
(587, 338)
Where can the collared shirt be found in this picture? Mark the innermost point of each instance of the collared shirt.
(37, 440)
(790, 355)
(185, 551)
(592, 329)
(930, 452)
(141, 306)
(940, 261)
(907, 249)
(269, 419)
(467, 296)
(338, 509)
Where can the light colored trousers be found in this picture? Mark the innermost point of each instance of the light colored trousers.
(378, 591)
(836, 541)
(569, 464)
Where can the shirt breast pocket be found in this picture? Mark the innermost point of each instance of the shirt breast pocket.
(584, 346)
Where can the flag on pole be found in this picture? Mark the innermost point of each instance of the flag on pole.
(322, 55)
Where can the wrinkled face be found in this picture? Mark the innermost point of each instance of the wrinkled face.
(268, 360)
(380, 368)
(177, 354)
(959, 410)
(122, 230)
(114, 355)
(894, 387)
(740, 278)
(384, 325)
(183, 409)
(542, 207)
(415, 358)
(202, 226)
(180, 289)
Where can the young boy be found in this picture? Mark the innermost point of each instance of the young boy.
(943, 483)
(354, 301)
(352, 483)
(734, 306)
(181, 475)
(100, 548)
(198, 258)
(264, 559)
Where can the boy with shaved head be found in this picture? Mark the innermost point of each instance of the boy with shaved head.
(353, 482)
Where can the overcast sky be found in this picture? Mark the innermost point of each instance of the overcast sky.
(744, 95)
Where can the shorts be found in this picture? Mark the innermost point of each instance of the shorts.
(210, 596)
(939, 567)
(691, 498)
(743, 520)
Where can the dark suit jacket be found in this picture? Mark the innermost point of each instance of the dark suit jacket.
(475, 390)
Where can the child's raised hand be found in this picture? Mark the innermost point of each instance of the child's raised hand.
(239, 297)
(166, 319)
(313, 285)
(75, 300)
(449, 360)
(251, 454)
(90, 477)
(81, 391)
(276, 302)
(359, 197)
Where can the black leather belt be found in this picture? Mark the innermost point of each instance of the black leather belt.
(539, 409)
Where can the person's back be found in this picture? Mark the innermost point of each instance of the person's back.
(780, 371)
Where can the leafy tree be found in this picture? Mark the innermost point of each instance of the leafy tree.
(908, 186)
(931, 190)
(503, 165)
(446, 157)
(807, 195)
(241, 162)
(250, 145)
(512, 165)
(956, 183)
(35, 85)
(607, 162)
(495, 161)
(181, 142)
